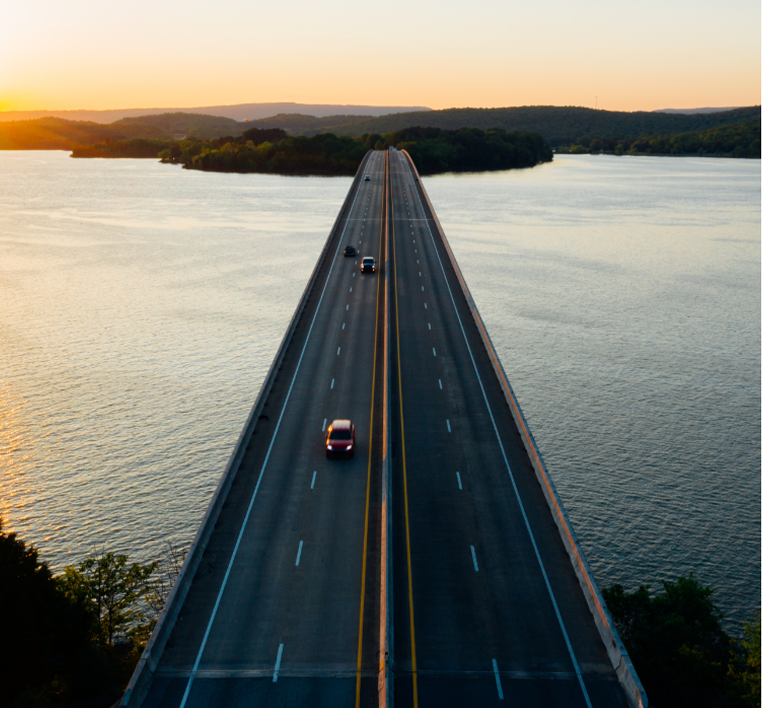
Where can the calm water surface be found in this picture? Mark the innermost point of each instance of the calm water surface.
(141, 305)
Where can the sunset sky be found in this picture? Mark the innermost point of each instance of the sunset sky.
(652, 54)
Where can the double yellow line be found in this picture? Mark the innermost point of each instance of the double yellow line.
(370, 442)
(387, 223)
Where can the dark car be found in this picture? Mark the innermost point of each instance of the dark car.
(367, 178)
(350, 251)
(340, 439)
(368, 265)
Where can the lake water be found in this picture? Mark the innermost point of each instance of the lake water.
(141, 305)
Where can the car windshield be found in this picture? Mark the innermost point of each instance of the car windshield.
(341, 435)
(369, 261)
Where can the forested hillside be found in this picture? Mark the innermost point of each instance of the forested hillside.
(559, 125)
(59, 134)
(736, 140)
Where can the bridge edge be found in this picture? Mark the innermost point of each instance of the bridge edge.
(617, 652)
(142, 677)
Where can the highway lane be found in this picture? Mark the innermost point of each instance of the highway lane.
(284, 607)
(487, 608)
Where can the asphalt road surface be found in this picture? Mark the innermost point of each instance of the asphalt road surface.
(284, 608)
(487, 608)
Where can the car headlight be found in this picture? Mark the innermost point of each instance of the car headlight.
(349, 447)
(330, 447)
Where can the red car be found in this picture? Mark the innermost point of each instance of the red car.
(340, 439)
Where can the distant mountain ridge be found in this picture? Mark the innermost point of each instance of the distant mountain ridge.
(239, 112)
(562, 127)
(559, 125)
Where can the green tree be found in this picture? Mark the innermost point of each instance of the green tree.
(747, 662)
(114, 591)
(677, 643)
(45, 633)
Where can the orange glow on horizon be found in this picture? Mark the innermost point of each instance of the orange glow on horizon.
(61, 59)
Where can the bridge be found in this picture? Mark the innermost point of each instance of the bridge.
(437, 567)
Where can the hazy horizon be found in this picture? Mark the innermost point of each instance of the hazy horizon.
(256, 111)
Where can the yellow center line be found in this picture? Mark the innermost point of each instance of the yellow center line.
(404, 465)
(370, 459)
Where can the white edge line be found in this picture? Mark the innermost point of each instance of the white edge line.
(497, 680)
(510, 471)
(264, 465)
(277, 663)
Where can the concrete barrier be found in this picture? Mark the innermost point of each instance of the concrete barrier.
(620, 659)
(144, 671)
(386, 643)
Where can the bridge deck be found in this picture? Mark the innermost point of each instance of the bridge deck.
(311, 609)
(284, 609)
(468, 477)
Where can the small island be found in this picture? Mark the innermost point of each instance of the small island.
(274, 151)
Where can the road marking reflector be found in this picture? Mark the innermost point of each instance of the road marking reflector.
(325, 420)
(421, 288)
(425, 306)
(277, 664)
(299, 554)
(449, 429)
(344, 324)
(460, 485)
(347, 306)
(429, 325)
(332, 382)
(440, 384)
(350, 290)
(314, 474)
(473, 555)
(497, 677)
(338, 352)
(434, 350)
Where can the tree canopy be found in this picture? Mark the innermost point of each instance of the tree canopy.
(679, 649)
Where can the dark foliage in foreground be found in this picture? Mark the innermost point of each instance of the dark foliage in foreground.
(69, 638)
(679, 649)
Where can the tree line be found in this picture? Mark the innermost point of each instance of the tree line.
(77, 636)
(737, 140)
(433, 150)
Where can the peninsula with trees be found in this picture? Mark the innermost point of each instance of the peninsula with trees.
(458, 139)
